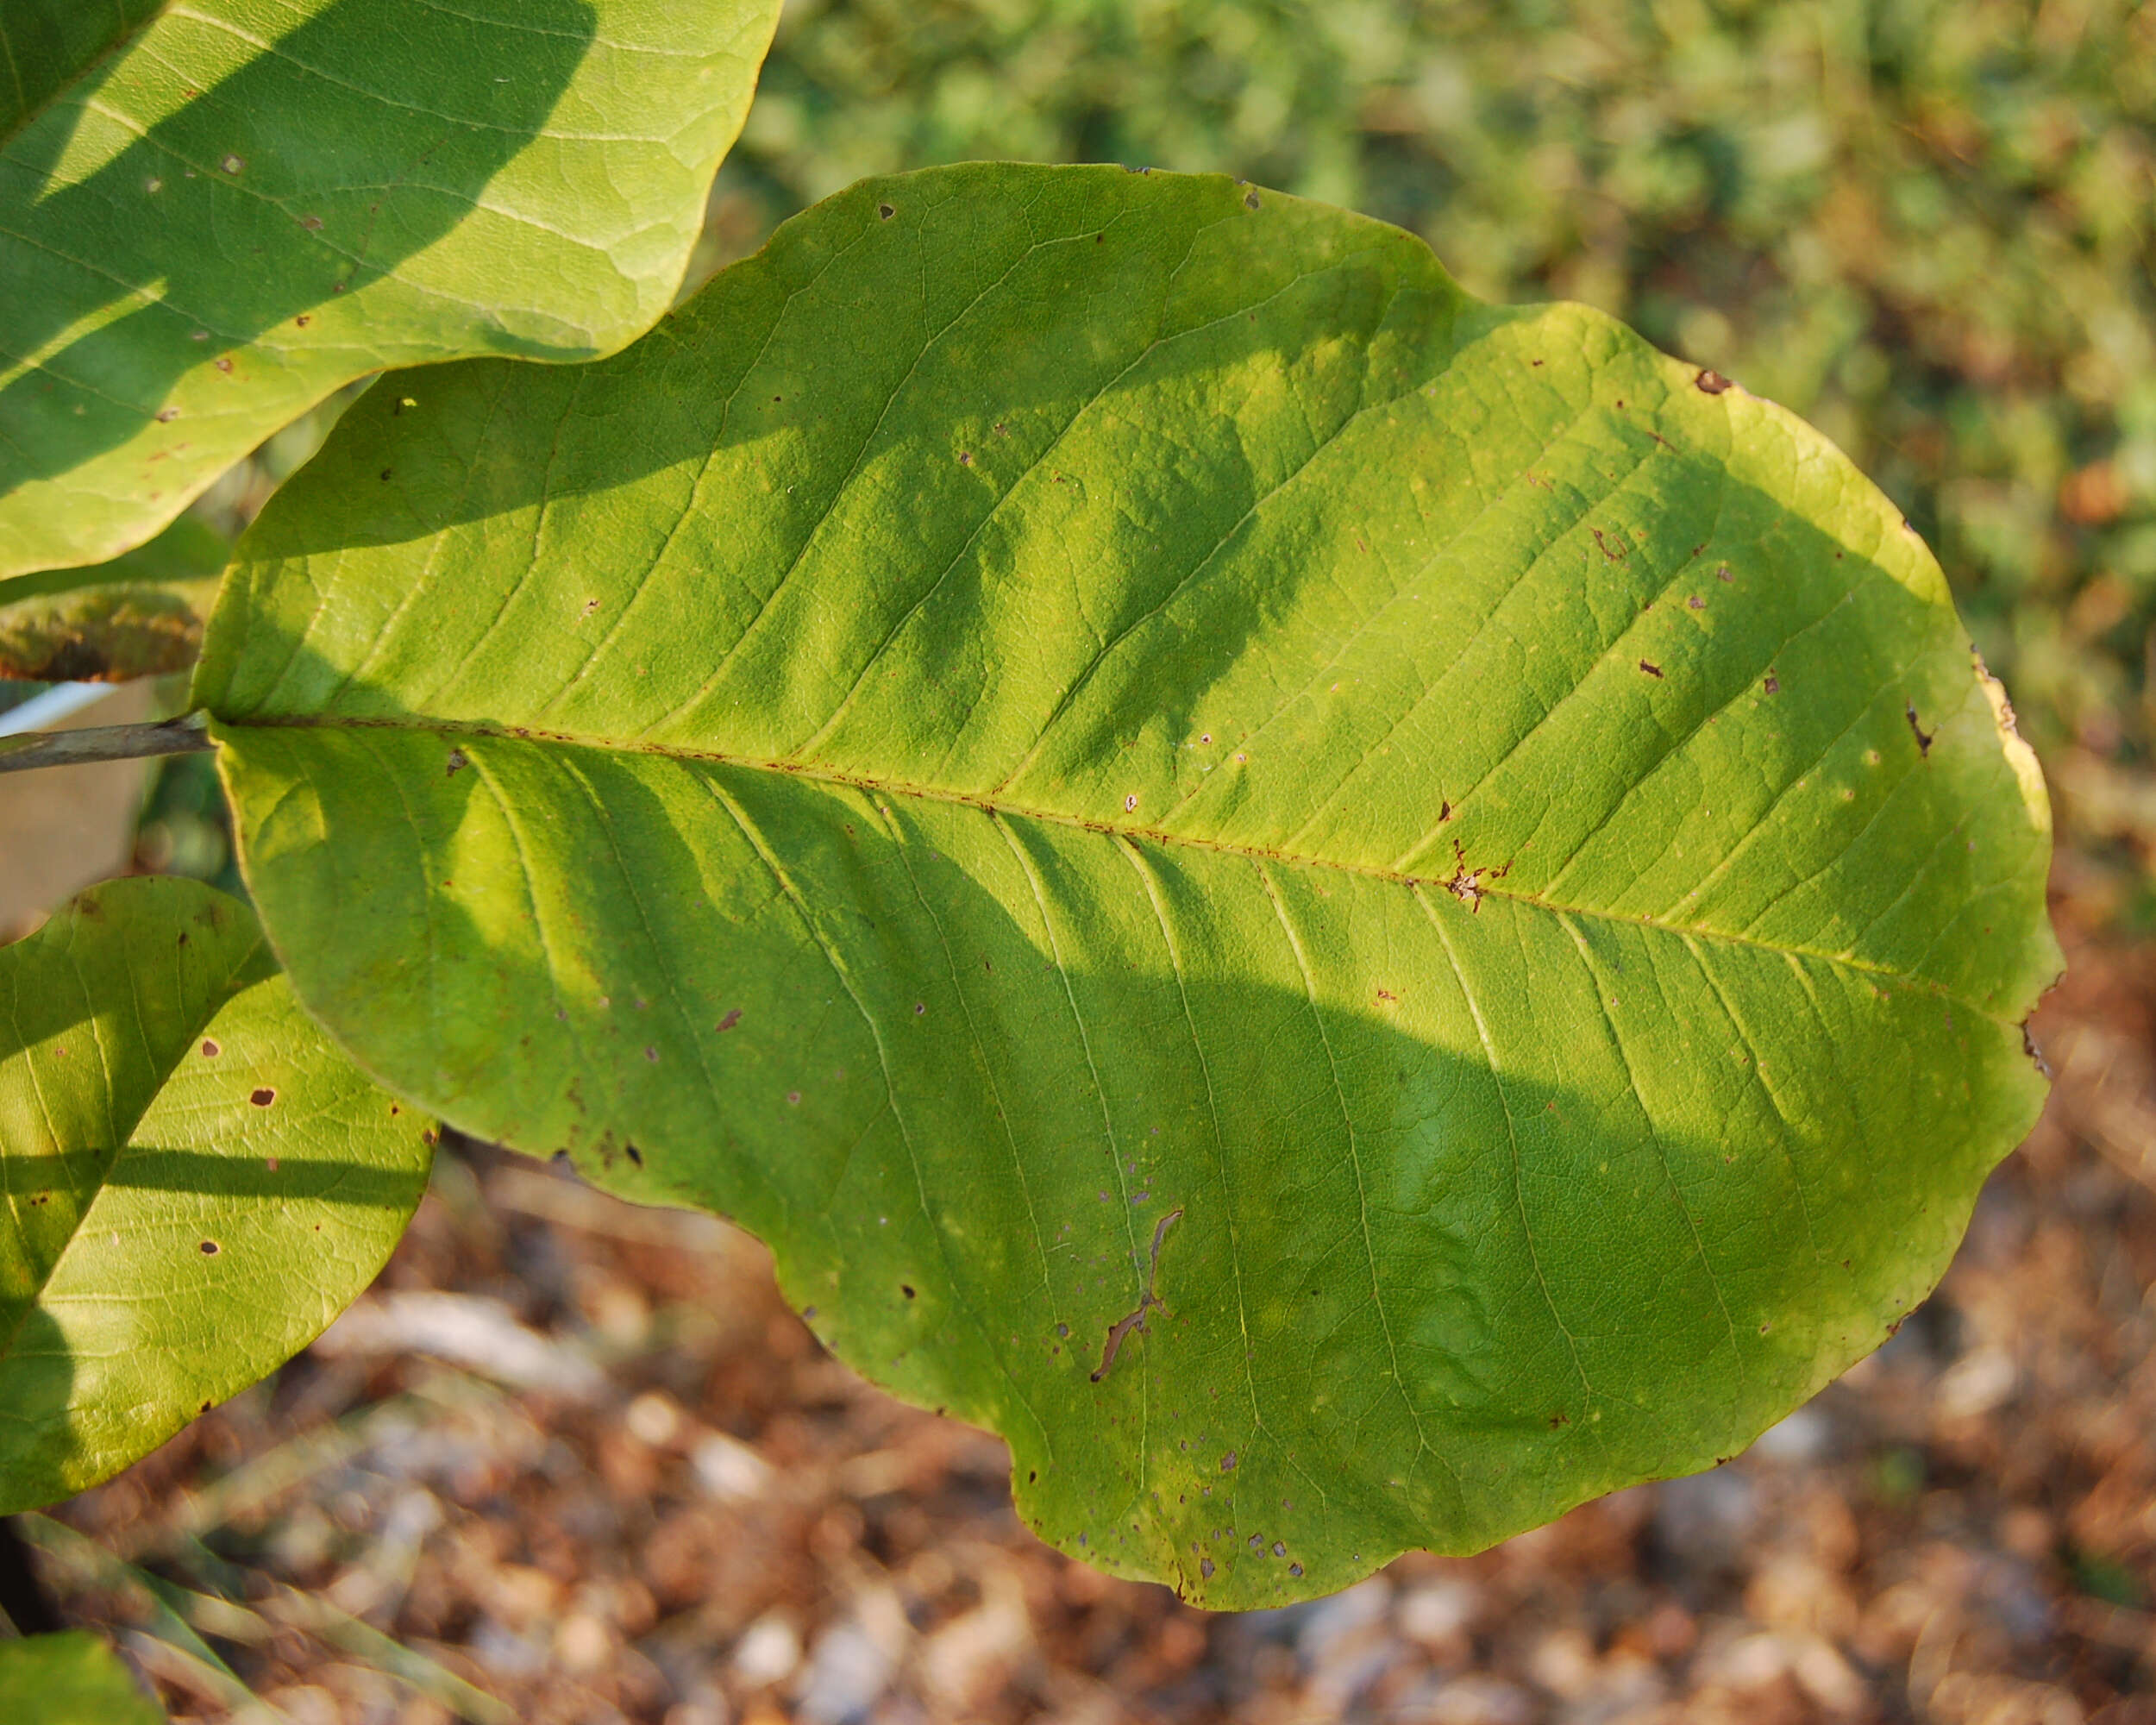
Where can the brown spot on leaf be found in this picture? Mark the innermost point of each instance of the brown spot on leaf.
(210, 1248)
(210, 1048)
(886, 211)
(263, 1097)
(732, 1018)
(1711, 382)
(1651, 668)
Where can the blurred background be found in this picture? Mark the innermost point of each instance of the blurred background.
(1926, 225)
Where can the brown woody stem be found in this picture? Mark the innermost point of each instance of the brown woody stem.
(183, 736)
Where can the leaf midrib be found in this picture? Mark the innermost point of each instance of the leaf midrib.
(992, 807)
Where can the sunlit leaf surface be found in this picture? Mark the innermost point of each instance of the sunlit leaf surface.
(196, 1182)
(1352, 915)
(209, 228)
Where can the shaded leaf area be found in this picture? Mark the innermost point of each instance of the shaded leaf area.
(252, 204)
(45, 45)
(199, 1181)
(1114, 695)
(140, 615)
(738, 1525)
(72, 1679)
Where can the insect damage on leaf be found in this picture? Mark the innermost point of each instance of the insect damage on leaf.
(1136, 1319)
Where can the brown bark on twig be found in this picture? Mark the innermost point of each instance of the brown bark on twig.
(183, 736)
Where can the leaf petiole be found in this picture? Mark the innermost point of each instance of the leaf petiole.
(181, 736)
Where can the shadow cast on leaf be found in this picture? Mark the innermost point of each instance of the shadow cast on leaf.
(236, 213)
(1482, 1214)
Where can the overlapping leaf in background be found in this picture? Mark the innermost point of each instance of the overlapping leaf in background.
(198, 1181)
(140, 615)
(209, 225)
(1352, 915)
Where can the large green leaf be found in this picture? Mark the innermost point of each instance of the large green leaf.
(71, 1679)
(253, 202)
(197, 1181)
(1052, 700)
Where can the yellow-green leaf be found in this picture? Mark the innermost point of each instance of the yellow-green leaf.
(198, 1181)
(1352, 915)
(211, 227)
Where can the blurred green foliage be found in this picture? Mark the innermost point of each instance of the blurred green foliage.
(1924, 224)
